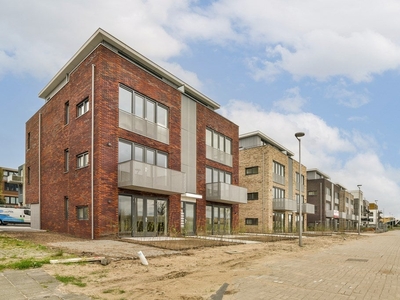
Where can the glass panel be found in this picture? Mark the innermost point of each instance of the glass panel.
(162, 217)
(162, 116)
(124, 214)
(139, 106)
(208, 137)
(209, 219)
(138, 155)
(228, 220)
(216, 221)
(208, 175)
(221, 176)
(228, 178)
(125, 100)
(228, 146)
(162, 160)
(124, 151)
(215, 140)
(150, 111)
(189, 218)
(150, 156)
(150, 216)
(222, 220)
(139, 214)
(215, 175)
(221, 143)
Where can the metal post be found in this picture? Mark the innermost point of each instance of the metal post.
(359, 208)
(298, 135)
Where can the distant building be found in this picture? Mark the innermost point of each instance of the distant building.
(123, 147)
(334, 205)
(10, 187)
(271, 177)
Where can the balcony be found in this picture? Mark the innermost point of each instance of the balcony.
(218, 156)
(342, 215)
(332, 214)
(135, 175)
(284, 204)
(15, 179)
(226, 193)
(143, 127)
(308, 208)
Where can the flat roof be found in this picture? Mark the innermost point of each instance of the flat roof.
(319, 172)
(98, 37)
(267, 139)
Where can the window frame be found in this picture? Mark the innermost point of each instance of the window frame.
(82, 158)
(82, 212)
(82, 107)
(251, 170)
(251, 221)
(252, 196)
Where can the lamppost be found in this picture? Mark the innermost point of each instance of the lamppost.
(376, 216)
(298, 135)
(359, 208)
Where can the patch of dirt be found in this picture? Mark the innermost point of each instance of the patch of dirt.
(195, 273)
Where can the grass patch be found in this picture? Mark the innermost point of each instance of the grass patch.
(114, 291)
(71, 280)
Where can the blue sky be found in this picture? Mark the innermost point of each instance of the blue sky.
(328, 68)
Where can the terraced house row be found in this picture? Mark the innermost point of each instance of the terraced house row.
(123, 147)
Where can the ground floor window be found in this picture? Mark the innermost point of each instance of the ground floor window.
(82, 212)
(188, 218)
(279, 221)
(251, 221)
(218, 219)
(142, 216)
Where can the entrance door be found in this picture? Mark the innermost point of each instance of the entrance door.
(221, 219)
(141, 216)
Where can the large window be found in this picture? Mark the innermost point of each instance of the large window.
(279, 169)
(82, 107)
(142, 107)
(216, 175)
(279, 193)
(218, 141)
(132, 151)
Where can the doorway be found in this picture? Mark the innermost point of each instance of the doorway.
(142, 216)
(218, 219)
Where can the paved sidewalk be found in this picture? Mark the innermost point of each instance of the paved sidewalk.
(368, 268)
(32, 284)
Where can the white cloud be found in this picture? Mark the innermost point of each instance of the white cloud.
(349, 158)
(292, 103)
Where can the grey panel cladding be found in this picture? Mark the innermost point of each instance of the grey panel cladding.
(189, 141)
(250, 142)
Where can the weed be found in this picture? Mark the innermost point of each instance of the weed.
(114, 291)
(71, 280)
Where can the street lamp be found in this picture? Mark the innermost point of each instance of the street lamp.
(359, 208)
(376, 216)
(298, 135)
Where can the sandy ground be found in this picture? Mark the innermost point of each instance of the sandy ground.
(185, 274)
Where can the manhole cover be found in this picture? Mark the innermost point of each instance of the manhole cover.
(357, 259)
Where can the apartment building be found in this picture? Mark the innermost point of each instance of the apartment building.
(359, 207)
(10, 187)
(335, 207)
(272, 179)
(123, 147)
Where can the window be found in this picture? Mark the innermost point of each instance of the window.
(312, 193)
(131, 151)
(279, 169)
(66, 113)
(66, 160)
(142, 107)
(82, 160)
(251, 170)
(66, 207)
(251, 221)
(28, 141)
(218, 141)
(82, 107)
(28, 175)
(82, 212)
(279, 193)
(252, 196)
(216, 175)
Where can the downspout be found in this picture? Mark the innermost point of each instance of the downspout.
(263, 193)
(320, 203)
(92, 156)
(40, 171)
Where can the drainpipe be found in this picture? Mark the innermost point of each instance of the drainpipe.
(263, 199)
(91, 155)
(40, 171)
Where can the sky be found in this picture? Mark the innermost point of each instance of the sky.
(327, 68)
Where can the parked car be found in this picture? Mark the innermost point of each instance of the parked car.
(5, 219)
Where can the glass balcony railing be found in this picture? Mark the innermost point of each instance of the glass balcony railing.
(14, 179)
(284, 204)
(226, 193)
(135, 175)
(218, 156)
